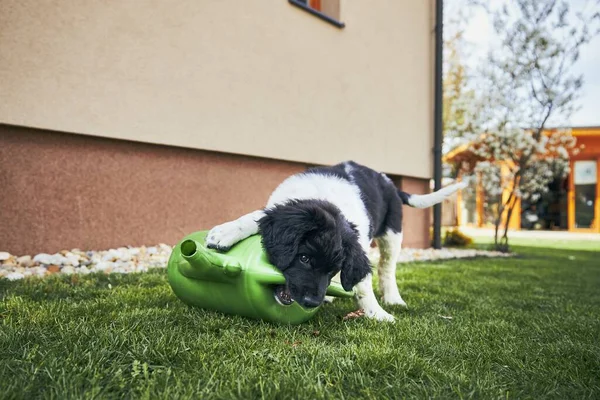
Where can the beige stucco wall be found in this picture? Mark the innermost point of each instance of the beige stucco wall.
(251, 77)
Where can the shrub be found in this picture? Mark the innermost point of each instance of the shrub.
(455, 238)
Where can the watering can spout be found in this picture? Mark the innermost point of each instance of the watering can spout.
(195, 253)
(200, 258)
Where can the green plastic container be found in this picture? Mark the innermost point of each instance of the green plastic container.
(239, 282)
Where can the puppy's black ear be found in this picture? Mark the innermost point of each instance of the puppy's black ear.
(282, 229)
(356, 264)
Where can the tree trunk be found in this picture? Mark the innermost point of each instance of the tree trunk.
(497, 223)
(508, 206)
(509, 212)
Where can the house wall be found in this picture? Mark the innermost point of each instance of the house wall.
(62, 191)
(415, 222)
(253, 77)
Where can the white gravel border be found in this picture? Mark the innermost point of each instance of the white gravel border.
(123, 260)
(127, 260)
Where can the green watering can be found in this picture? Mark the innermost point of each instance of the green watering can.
(240, 281)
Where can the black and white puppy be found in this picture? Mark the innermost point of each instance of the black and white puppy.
(319, 224)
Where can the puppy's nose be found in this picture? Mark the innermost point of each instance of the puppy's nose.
(311, 301)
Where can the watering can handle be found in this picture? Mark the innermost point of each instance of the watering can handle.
(274, 278)
(336, 290)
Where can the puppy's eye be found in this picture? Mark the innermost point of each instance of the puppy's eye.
(304, 258)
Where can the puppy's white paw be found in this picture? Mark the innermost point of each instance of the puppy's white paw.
(393, 299)
(223, 237)
(379, 314)
(329, 299)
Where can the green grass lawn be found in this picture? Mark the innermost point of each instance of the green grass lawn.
(525, 327)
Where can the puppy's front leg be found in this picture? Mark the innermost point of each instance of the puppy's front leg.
(368, 302)
(223, 237)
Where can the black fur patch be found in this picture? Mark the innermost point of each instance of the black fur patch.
(380, 196)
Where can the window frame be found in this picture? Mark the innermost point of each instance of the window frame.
(304, 6)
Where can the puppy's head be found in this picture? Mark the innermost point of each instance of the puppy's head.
(310, 241)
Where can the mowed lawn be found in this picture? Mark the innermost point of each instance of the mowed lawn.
(525, 327)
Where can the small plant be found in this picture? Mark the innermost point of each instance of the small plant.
(455, 238)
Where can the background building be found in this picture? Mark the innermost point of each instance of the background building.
(571, 204)
(123, 124)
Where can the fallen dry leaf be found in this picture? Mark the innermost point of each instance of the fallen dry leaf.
(354, 314)
(316, 333)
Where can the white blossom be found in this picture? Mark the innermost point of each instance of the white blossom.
(516, 153)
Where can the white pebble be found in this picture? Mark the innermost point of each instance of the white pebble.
(141, 268)
(67, 270)
(110, 255)
(50, 259)
(165, 248)
(101, 266)
(25, 261)
(83, 270)
(43, 258)
(15, 276)
(72, 259)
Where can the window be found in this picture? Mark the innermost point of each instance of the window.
(585, 179)
(327, 10)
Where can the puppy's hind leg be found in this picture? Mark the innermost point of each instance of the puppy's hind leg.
(389, 245)
(223, 237)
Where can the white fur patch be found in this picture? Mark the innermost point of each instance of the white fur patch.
(343, 194)
(428, 200)
(226, 235)
(366, 300)
(389, 249)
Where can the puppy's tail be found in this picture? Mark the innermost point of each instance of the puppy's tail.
(428, 200)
